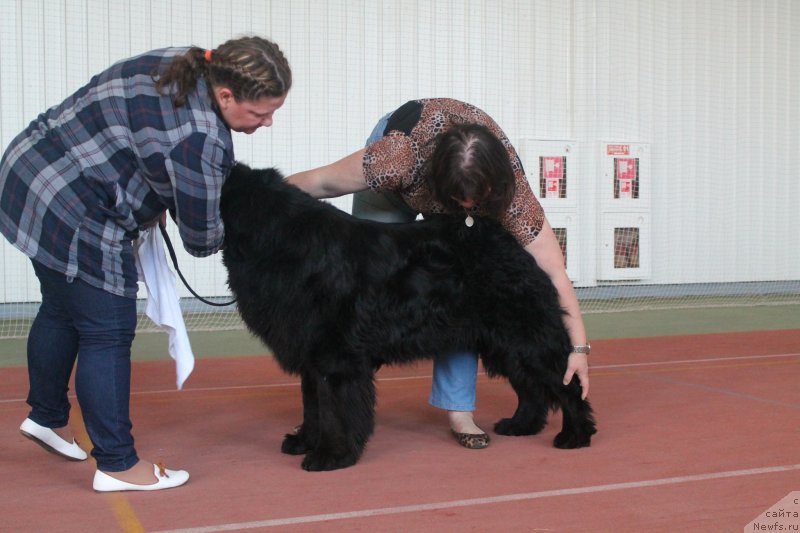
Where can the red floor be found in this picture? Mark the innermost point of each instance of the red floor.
(696, 433)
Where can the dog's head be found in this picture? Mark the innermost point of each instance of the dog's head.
(248, 195)
(243, 182)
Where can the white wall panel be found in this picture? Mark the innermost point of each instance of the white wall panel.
(708, 84)
(712, 87)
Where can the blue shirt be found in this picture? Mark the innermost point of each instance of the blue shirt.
(84, 177)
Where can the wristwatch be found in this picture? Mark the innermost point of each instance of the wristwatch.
(583, 348)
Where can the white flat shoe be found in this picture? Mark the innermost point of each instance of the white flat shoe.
(167, 479)
(50, 441)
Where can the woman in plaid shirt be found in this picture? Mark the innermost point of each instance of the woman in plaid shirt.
(151, 133)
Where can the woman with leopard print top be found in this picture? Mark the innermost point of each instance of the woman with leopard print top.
(441, 155)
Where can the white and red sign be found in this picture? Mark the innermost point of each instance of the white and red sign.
(552, 172)
(626, 174)
(618, 149)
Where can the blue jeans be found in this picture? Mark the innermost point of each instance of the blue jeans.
(454, 375)
(77, 320)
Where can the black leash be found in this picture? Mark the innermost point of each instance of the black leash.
(174, 258)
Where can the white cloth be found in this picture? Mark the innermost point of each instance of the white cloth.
(163, 305)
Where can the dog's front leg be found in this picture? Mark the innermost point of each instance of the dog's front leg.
(578, 424)
(304, 439)
(346, 420)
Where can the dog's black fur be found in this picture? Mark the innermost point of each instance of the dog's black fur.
(335, 297)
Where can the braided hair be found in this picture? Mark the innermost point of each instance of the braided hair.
(251, 67)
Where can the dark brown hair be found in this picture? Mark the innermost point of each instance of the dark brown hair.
(470, 162)
(251, 67)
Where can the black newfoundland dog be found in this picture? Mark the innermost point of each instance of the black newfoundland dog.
(335, 297)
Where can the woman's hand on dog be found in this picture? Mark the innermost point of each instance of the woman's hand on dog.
(578, 364)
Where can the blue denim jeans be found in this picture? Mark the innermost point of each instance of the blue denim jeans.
(454, 375)
(77, 320)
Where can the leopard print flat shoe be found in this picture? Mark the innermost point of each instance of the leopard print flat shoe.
(473, 441)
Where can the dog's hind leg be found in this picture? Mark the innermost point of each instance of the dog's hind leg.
(305, 438)
(346, 420)
(532, 407)
(578, 421)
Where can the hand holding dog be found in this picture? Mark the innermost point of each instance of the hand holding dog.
(578, 365)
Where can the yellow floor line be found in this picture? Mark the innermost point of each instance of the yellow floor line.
(126, 516)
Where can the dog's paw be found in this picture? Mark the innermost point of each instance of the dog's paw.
(512, 427)
(570, 440)
(294, 444)
(318, 462)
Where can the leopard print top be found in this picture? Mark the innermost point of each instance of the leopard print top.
(398, 161)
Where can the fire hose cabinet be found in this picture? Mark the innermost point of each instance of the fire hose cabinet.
(553, 171)
(625, 213)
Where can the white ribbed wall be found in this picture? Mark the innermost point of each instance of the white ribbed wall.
(712, 87)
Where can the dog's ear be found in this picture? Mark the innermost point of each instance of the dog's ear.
(240, 171)
(274, 174)
(245, 174)
(234, 192)
(236, 176)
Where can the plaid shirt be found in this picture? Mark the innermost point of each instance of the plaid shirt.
(86, 176)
